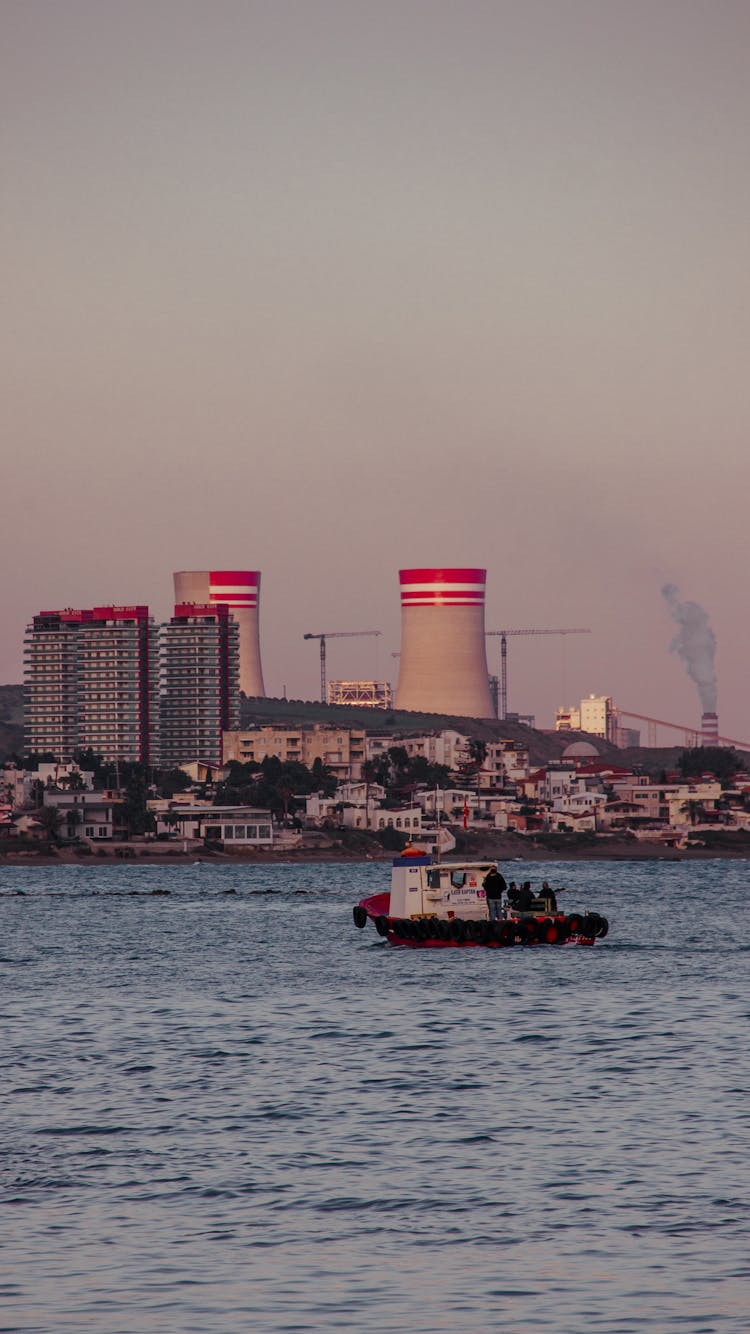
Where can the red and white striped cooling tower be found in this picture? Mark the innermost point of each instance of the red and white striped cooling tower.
(240, 591)
(443, 666)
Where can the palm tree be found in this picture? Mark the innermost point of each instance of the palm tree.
(693, 809)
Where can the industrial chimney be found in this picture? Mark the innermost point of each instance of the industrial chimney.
(709, 729)
(443, 664)
(240, 591)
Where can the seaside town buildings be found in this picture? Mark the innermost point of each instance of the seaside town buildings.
(503, 792)
(574, 795)
(341, 749)
(112, 681)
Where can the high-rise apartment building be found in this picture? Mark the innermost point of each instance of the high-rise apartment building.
(91, 679)
(118, 684)
(51, 681)
(200, 657)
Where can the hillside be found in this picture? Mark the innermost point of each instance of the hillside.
(543, 746)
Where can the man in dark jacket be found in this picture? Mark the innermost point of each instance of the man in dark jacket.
(525, 901)
(494, 887)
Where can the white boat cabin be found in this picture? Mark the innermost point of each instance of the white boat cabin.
(421, 887)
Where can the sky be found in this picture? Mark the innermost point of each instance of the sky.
(326, 288)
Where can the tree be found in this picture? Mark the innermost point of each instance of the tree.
(138, 819)
(73, 820)
(721, 761)
(693, 809)
(171, 820)
(51, 820)
(170, 781)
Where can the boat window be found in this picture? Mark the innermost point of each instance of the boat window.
(433, 879)
(458, 879)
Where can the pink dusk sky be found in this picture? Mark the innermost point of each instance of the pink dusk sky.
(329, 287)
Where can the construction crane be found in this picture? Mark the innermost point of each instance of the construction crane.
(504, 636)
(334, 634)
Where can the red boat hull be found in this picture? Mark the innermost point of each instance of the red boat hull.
(549, 930)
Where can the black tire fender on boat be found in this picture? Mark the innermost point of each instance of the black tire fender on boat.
(458, 929)
(604, 928)
(360, 915)
(590, 925)
(381, 925)
(574, 923)
(525, 931)
(506, 935)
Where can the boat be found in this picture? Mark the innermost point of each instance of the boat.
(433, 903)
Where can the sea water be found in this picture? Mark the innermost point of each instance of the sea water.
(225, 1108)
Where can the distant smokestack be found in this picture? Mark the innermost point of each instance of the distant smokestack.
(695, 643)
(443, 663)
(240, 591)
(709, 729)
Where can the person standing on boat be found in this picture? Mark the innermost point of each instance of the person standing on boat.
(525, 898)
(548, 893)
(494, 887)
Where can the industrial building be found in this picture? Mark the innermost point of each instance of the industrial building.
(239, 590)
(363, 694)
(443, 662)
(597, 715)
(199, 683)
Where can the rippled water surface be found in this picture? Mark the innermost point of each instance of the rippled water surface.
(225, 1109)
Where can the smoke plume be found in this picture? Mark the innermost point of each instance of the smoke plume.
(695, 643)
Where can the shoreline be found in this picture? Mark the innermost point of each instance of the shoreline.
(615, 851)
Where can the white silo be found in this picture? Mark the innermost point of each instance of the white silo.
(443, 664)
(240, 591)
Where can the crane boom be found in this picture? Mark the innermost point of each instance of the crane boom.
(504, 636)
(334, 634)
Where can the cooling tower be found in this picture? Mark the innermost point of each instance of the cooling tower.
(240, 591)
(443, 664)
